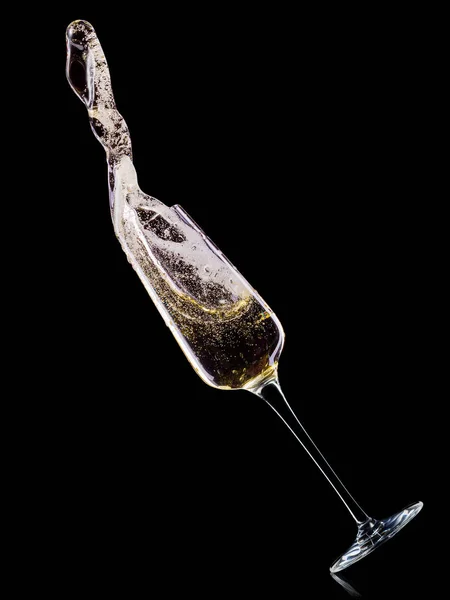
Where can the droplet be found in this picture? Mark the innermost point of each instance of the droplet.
(207, 268)
(193, 247)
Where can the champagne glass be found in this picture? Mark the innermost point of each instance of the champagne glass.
(228, 333)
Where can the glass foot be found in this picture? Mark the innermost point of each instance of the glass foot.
(372, 534)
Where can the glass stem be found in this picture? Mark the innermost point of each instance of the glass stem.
(272, 394)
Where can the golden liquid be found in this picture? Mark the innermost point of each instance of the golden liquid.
(226, 331)
(234, 346)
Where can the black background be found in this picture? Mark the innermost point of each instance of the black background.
(299, 143)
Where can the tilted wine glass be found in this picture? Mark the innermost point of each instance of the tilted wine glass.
(230, 336)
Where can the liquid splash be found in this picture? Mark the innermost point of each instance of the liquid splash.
(228, 333)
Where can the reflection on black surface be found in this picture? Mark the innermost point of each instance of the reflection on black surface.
(345, 584)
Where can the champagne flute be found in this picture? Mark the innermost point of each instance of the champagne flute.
(228, 333)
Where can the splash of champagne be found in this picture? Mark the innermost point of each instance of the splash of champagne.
(228, 333)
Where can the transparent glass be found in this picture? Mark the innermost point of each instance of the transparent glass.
(228, 333)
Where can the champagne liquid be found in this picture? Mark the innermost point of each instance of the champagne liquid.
(231, 347)
(227, 331)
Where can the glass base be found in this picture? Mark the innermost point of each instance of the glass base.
(372, 534)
